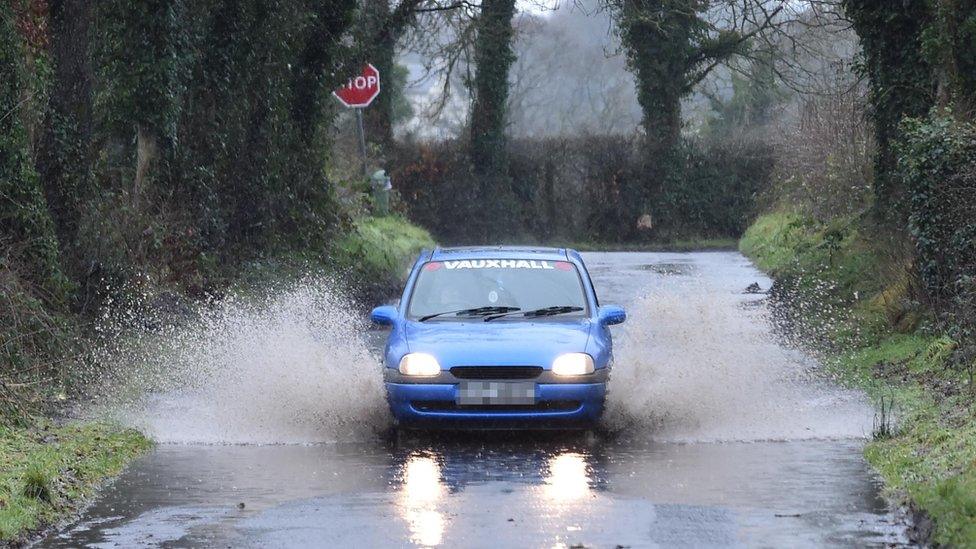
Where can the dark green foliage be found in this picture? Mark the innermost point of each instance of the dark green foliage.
(440, 191)
(612, 175)
(715, 194)
(949, 44)
(580, 189)
(64, 159)
(963, 32)
(380, 49)
(240, 99)
(322, 25)
(938, 164)
(395, 85)
(25, 222)
(917, 54)
(253, 145)
(32, 286)
(139, 54)
(175, 141)
(901, 81)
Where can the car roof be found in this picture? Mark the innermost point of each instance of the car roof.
(502, 252)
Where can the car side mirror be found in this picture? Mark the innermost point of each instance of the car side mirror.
(384, 315)
(611, 314)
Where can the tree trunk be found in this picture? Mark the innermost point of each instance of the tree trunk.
(549, 195)
(901, 84)
(65, 164)
(493, 58)
(658, 47)
(959, 19)
(378, 117)
(662, 123)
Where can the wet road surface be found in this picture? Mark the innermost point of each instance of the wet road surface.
(776, 463)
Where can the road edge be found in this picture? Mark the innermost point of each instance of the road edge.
(924, 442)
(52, 471)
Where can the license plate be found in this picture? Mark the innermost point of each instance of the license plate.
(495, 392)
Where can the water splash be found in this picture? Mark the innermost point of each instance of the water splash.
(291, 367)
(699, 364)
(696, 361)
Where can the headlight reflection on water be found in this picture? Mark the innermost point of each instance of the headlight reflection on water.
(568, 479)
(417, 504)
(566, 485)
(565, 489)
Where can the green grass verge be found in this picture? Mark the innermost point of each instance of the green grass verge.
(927, 454)
(383, 244)
(933, 462)
(929, 458)
(789, 244)
(377, 251)
(48, 470)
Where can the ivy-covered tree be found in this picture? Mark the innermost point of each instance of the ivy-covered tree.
(756, 91)
(26, 230)
(253, 132)
(380, 27)
(950, 44)
(326, 22)
(671, 45)
(380, 51)
(919, 58)
(488, 154)
(900, 78)
(493, 58)
(65, 157)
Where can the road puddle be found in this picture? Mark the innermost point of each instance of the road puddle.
(716, 435)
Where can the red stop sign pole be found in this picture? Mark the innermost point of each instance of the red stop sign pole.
(357, 94)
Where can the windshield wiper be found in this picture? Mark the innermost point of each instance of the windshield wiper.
(477, 311)
(545, 311)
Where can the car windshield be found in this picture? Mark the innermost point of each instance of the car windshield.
(462, 289)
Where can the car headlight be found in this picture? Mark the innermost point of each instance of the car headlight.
(573, 364)
(419, 365)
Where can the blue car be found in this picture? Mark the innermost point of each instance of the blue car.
(498, 338)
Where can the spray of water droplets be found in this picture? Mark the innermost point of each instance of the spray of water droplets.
(290, 367)
(696, 364)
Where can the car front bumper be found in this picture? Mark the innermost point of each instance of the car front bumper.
(558, 406)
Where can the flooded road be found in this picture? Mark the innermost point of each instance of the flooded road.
(715, 435)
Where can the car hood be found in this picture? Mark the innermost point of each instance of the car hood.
(503, 343)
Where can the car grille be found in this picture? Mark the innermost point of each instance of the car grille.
(451, 406)
(496, 372)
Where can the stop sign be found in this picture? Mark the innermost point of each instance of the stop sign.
(360, 90)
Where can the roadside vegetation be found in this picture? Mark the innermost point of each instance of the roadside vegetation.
(377, 253)
(868, 231)
(50, 470)
(839, 299)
